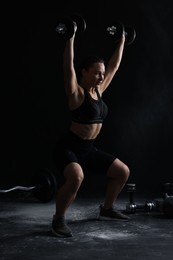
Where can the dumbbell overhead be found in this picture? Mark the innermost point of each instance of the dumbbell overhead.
(116, 31)
(66, 25)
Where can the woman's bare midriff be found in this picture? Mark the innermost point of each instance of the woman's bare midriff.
(86, 131)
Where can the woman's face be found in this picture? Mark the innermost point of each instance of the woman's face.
(94, 75)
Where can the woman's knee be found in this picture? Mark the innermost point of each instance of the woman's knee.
(74, 174)
(118, 169)
(126, 171)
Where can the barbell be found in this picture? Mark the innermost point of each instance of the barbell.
(66, 25)
(117, 29)
(43, 187)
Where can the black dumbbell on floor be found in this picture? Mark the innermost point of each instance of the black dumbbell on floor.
(166, 205)
(163, 205)
(132, 207)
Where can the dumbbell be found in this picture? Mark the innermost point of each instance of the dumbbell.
(66, 25)
(116, 31)
(43, 187)
(131, 206)
(163, 204)
(166, 205)
(146, 207)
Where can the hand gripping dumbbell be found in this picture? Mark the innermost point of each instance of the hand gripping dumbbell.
(117, 29)
(66, 25)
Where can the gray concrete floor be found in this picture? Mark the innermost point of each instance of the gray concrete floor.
(25, 232)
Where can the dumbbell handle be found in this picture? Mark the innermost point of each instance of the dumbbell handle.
(131, 187)
(148, 206)
(18, 188)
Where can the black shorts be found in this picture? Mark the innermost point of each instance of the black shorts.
(72, 148)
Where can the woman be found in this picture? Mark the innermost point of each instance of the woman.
(76, 150)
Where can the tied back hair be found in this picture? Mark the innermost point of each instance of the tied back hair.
(86, 63)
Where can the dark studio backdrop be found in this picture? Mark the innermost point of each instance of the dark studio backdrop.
(140, 98)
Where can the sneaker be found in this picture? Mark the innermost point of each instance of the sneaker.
(112, 214)
(60, 228)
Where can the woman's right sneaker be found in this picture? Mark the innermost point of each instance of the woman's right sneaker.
(60, 228)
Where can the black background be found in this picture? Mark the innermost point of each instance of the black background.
(34, 111)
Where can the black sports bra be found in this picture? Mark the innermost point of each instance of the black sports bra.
(91, 111)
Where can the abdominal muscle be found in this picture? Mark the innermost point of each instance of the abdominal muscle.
(86, 131)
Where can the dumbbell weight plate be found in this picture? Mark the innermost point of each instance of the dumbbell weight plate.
(80, 21)
(115, 30)
(65, 27)
(130, 34)
(168, 206)
(45, 185)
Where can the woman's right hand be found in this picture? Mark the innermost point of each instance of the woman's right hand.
(75, 26)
